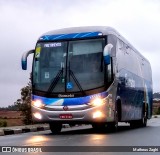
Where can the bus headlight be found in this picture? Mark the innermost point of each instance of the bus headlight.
(97, 102)
(38, 104)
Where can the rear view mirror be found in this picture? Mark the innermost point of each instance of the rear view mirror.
(107, 53)
(24, 59)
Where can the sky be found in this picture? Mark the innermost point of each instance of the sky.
(23, 21)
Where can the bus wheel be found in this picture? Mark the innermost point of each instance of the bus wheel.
(143, 121)
(133, 124)
(98, 126)
(55, 127)
(113, 126)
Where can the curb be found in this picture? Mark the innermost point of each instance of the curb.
(8, 131)
(17, 131)
(34, 129)
(26, 129)
(1, 133)
(4, 132)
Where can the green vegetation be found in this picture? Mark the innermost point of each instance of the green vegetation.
(10, 107)
(24, 104)
(158, 111)
(3, 123)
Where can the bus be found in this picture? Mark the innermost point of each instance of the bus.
(89, 75)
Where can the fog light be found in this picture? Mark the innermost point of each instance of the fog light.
(37, 115)
(97, 114)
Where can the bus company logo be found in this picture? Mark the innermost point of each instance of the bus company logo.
(65, 108)
(66, 95)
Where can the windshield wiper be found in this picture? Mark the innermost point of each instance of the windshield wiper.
(60, 74)
(76, 81)
(55, 80)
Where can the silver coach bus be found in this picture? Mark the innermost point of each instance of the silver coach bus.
(89, 75)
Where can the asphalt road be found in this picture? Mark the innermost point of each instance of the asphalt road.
(86, 136)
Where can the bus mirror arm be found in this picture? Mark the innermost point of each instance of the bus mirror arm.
(107, 53)
(24, 59)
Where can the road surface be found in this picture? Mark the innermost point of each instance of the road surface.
(86, 136)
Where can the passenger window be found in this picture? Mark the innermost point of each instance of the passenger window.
(109, 73)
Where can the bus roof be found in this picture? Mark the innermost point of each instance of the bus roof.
(71, 30)
(84, 32)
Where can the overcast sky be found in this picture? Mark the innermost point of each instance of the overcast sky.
(23, 21)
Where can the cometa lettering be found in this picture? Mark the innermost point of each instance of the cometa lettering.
(69, 95)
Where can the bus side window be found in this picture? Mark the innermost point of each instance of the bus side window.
(111, 67)
(109, 73)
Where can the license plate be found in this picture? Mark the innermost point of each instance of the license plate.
(66, 116)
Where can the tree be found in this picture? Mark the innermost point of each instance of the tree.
(10, 107)
(156, 95)
(158, 111)
(24, 104)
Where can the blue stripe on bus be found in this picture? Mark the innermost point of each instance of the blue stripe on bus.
(70, 36)
(69, 101)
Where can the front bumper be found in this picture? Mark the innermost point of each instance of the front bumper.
(81, 114)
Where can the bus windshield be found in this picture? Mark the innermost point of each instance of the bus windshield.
(69, 66)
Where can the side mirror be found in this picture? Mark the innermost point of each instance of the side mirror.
(24, 59)
(107, 53)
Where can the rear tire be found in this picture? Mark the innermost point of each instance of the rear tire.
(55, 128)
(142, 122)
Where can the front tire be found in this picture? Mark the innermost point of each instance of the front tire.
(55, 128)
(113, 126)
(98, 127)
